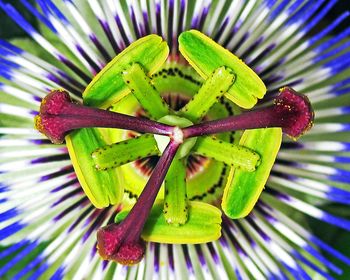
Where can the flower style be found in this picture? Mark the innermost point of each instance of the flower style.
(49, 224)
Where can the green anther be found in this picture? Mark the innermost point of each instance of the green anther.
(103, 188)
(217, 84)
(243, 188)
(123, 152)
(108, 86)
(205, 56)
(231, 154)
(162, 141)
(203, 225)
(145, 92)
(175, 198)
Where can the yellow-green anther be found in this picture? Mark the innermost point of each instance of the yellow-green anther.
(123, 152)
(235, 155)
(142, 88)
(101, 187)
(217, 84)
(175, 198)
(205, 56)
(244, 188)
(108, 86)
(203, 225)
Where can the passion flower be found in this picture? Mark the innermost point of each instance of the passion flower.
(48, 225)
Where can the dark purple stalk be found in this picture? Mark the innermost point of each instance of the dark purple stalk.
(290, 111)
(58, 115)
(249, 120)
(122, 242)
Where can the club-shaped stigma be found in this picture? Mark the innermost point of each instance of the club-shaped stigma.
(58, 115)
(122, 242)
(290, 111)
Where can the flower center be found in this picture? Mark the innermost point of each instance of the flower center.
(196, 164)
(177, 83)
(177, 135)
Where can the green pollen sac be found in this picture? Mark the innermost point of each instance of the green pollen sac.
(175, 197)
(144, 91)
(205, 56)
(108, 86)
(217, 84)
(231, 154)
(162, 141)
(243, 188)
(103, 188)
(203, 225)
(123, 152)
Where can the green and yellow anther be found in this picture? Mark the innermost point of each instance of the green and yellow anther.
(203, 225)
(243, 189)
(109, 87)
(206, 56)
(102, 188)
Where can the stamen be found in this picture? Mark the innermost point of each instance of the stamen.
(122, 242)
(290, 111)
(59, 115)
